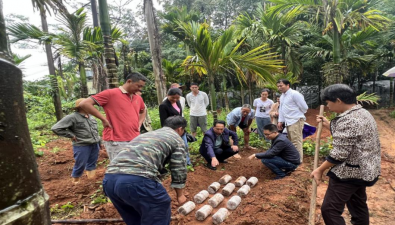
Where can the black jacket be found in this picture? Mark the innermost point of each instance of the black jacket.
(166, 110)
(283, 148)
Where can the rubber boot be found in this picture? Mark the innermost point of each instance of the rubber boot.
(75, 180)
(91, 174)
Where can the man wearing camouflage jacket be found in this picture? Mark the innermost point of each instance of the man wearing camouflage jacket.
(132, 178)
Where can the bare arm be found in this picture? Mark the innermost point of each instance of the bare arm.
(88, 106)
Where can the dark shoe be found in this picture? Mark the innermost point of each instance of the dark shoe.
(208, 165)
(278, 178)
(223, 161)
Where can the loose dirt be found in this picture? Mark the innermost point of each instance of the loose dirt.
(284, 201)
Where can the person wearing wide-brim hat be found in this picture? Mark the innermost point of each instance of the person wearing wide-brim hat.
(81, 128)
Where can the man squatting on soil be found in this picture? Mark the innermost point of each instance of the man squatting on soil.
(291, 113)
(242, 117)
(282, 158)
(354, 161)
(215, 147)
(131, 180)
(125, 112)
(81, 128)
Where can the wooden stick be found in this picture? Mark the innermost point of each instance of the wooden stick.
(317, 151)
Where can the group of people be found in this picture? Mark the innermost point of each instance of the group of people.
(138, 160)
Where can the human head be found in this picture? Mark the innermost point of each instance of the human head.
(339, 97)
(245, 110)
(283, 85)
(173, 95)
(270, 131)
(134, 82)
(264, 93)
(177, 123)
(77, 104)
(219, 127)
(175, 85)
(194, 88)
(278, 97)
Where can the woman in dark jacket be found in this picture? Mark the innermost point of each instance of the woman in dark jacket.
(172, 107)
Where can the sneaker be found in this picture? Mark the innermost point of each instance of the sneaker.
(208, 165)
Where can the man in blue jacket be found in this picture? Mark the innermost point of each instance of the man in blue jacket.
(216, 147)
(282, 158)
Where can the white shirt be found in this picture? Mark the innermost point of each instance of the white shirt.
(182, 102)
(197, 104)
(292, 107)
(262, 107)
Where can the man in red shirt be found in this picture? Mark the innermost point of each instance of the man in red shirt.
(125, 112)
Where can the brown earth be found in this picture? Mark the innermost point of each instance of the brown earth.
(283, 201)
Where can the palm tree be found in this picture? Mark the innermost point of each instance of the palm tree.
(109, 52)
(337, 16)
(222, 55)
(43, 6)
(153, 37)
(5, 51)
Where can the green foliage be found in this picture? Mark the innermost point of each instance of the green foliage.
(98, 197)
(392, 114)
(67, 206)
(325, 147)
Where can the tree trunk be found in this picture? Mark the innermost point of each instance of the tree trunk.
(391, 91)
(5, 51)
(94, 13)
(213, 100)
(242, 94)
(84, 86)
(225, 94)
(374, 80)
(51, 67)
(23, 200)
(153, 37)
(108, 47)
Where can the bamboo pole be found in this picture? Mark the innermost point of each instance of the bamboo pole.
(317, 150)
(88, 221)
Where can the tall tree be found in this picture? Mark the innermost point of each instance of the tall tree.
(43, 6)
(154, 42)
(335, 16)
(94, 13)
(5, 51)
(109, 52)
(26, 201)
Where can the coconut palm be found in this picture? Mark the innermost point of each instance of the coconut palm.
(222, 55)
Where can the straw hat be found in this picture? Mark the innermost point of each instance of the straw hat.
(77, 103)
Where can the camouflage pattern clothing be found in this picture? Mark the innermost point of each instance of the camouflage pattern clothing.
(147, 154)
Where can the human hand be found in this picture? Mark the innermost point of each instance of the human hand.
(251, 156)
(324, 120)
(214, 162)
(280, 125)
(101, 147)
(106, 124)
(74, 139)
(317, 175)
(235, 148)
(181, 199)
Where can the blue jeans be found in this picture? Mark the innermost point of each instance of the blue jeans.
(277, 165)
(184, 137)
(261, 122)
(85, 158)
(139, 200)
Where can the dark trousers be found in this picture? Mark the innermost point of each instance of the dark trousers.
(278, 165)
(139, 200)
(220, 153)
(337, 196)
(85, 158)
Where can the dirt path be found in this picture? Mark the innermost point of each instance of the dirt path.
(271, 202)
(381, 197)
